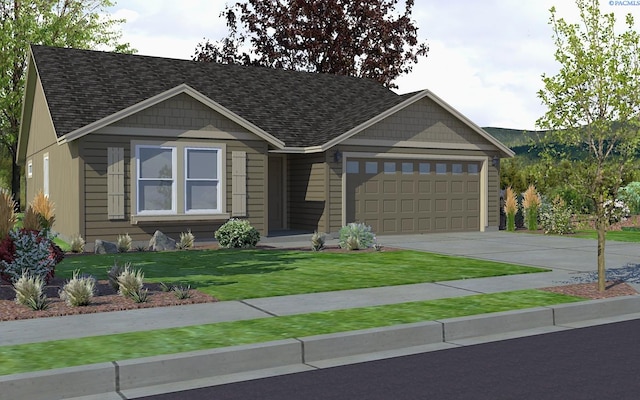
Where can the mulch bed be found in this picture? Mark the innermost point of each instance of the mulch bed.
(590, 290)
(106, 299)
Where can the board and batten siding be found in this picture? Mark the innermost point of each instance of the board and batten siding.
(99, 225)
(307, 180)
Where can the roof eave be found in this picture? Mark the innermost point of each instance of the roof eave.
(183, 88)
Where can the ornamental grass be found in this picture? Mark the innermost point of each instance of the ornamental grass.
(510, 208)
(8, 216)
(44, 208)
(531, 204)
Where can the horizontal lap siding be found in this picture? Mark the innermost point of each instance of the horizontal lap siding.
(98, 226)
(307, 192)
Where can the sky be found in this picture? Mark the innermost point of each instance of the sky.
(486, 58)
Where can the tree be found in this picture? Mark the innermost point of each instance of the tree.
(594, 107)
(367, 39)
(63, 23)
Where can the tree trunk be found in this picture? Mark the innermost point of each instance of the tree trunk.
(15, 183)
(601, 227)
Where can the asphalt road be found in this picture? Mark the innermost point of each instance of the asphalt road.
(601, 362)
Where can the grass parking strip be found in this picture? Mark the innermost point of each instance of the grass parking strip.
(243, 274)
(97, 349)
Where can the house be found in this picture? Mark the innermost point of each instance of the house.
(130, 144)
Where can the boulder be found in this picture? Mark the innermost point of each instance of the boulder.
(160, 242)
(104, 247)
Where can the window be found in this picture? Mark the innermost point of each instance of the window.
(201, 180)
(156, 179)
(45, 174)
(389, 168)
(407, 168)
(456, 169)
(177, 179)
(371, 167)
(353, 167)
(30, 169)
(425, 168)
(472, 169)
(441, 168)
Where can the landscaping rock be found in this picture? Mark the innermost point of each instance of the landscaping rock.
(160, 242)
(104, 247)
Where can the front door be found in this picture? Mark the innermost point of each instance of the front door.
(276, 193)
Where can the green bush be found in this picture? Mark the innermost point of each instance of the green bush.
(630, 228)
(355, 236)
(555, 217)
(630, 194)
(237, 233)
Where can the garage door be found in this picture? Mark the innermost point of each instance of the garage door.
(413, 196)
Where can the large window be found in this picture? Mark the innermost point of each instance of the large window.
(177, 179)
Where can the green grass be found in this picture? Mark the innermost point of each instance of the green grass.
(96, 349)
(618, 236)
(242, 274)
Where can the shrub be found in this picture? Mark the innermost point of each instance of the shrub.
(8, 216)
(29, 291)
(123, 242)
(237, 233)
(140, 296)
(531, 204)
(616, 211)
(182, 292)
(317, 241)
(355, 236)
(77, 243)
(555, 217)
(30, 251)
(510, 209)
(186, 241)
(630, 194)
(130, 282)
(79, 290)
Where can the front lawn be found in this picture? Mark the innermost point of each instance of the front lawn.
(96, 349)
(241, 274)
(618, 236)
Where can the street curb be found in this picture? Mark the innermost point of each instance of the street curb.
(116, 379)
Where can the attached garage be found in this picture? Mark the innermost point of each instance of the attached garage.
(406, 196)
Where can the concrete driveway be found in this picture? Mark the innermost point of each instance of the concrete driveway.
(555, 252)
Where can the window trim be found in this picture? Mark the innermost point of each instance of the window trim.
(45, 174)
(30, 169)
(179, 214)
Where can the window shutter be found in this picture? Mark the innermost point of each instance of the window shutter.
(239, 183)
(115, 182)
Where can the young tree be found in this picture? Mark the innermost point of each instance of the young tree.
(594, 107)
(358, 38)
(64, 23)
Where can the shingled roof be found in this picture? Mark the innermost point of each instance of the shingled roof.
(299, 108)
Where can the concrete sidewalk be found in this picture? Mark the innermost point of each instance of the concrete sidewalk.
(567, 258)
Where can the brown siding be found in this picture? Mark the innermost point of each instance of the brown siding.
(98, 226)
(307, 191)
(63, 168)
(180, 112)
(423, 121)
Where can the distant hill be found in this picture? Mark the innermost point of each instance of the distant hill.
(517, 140)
